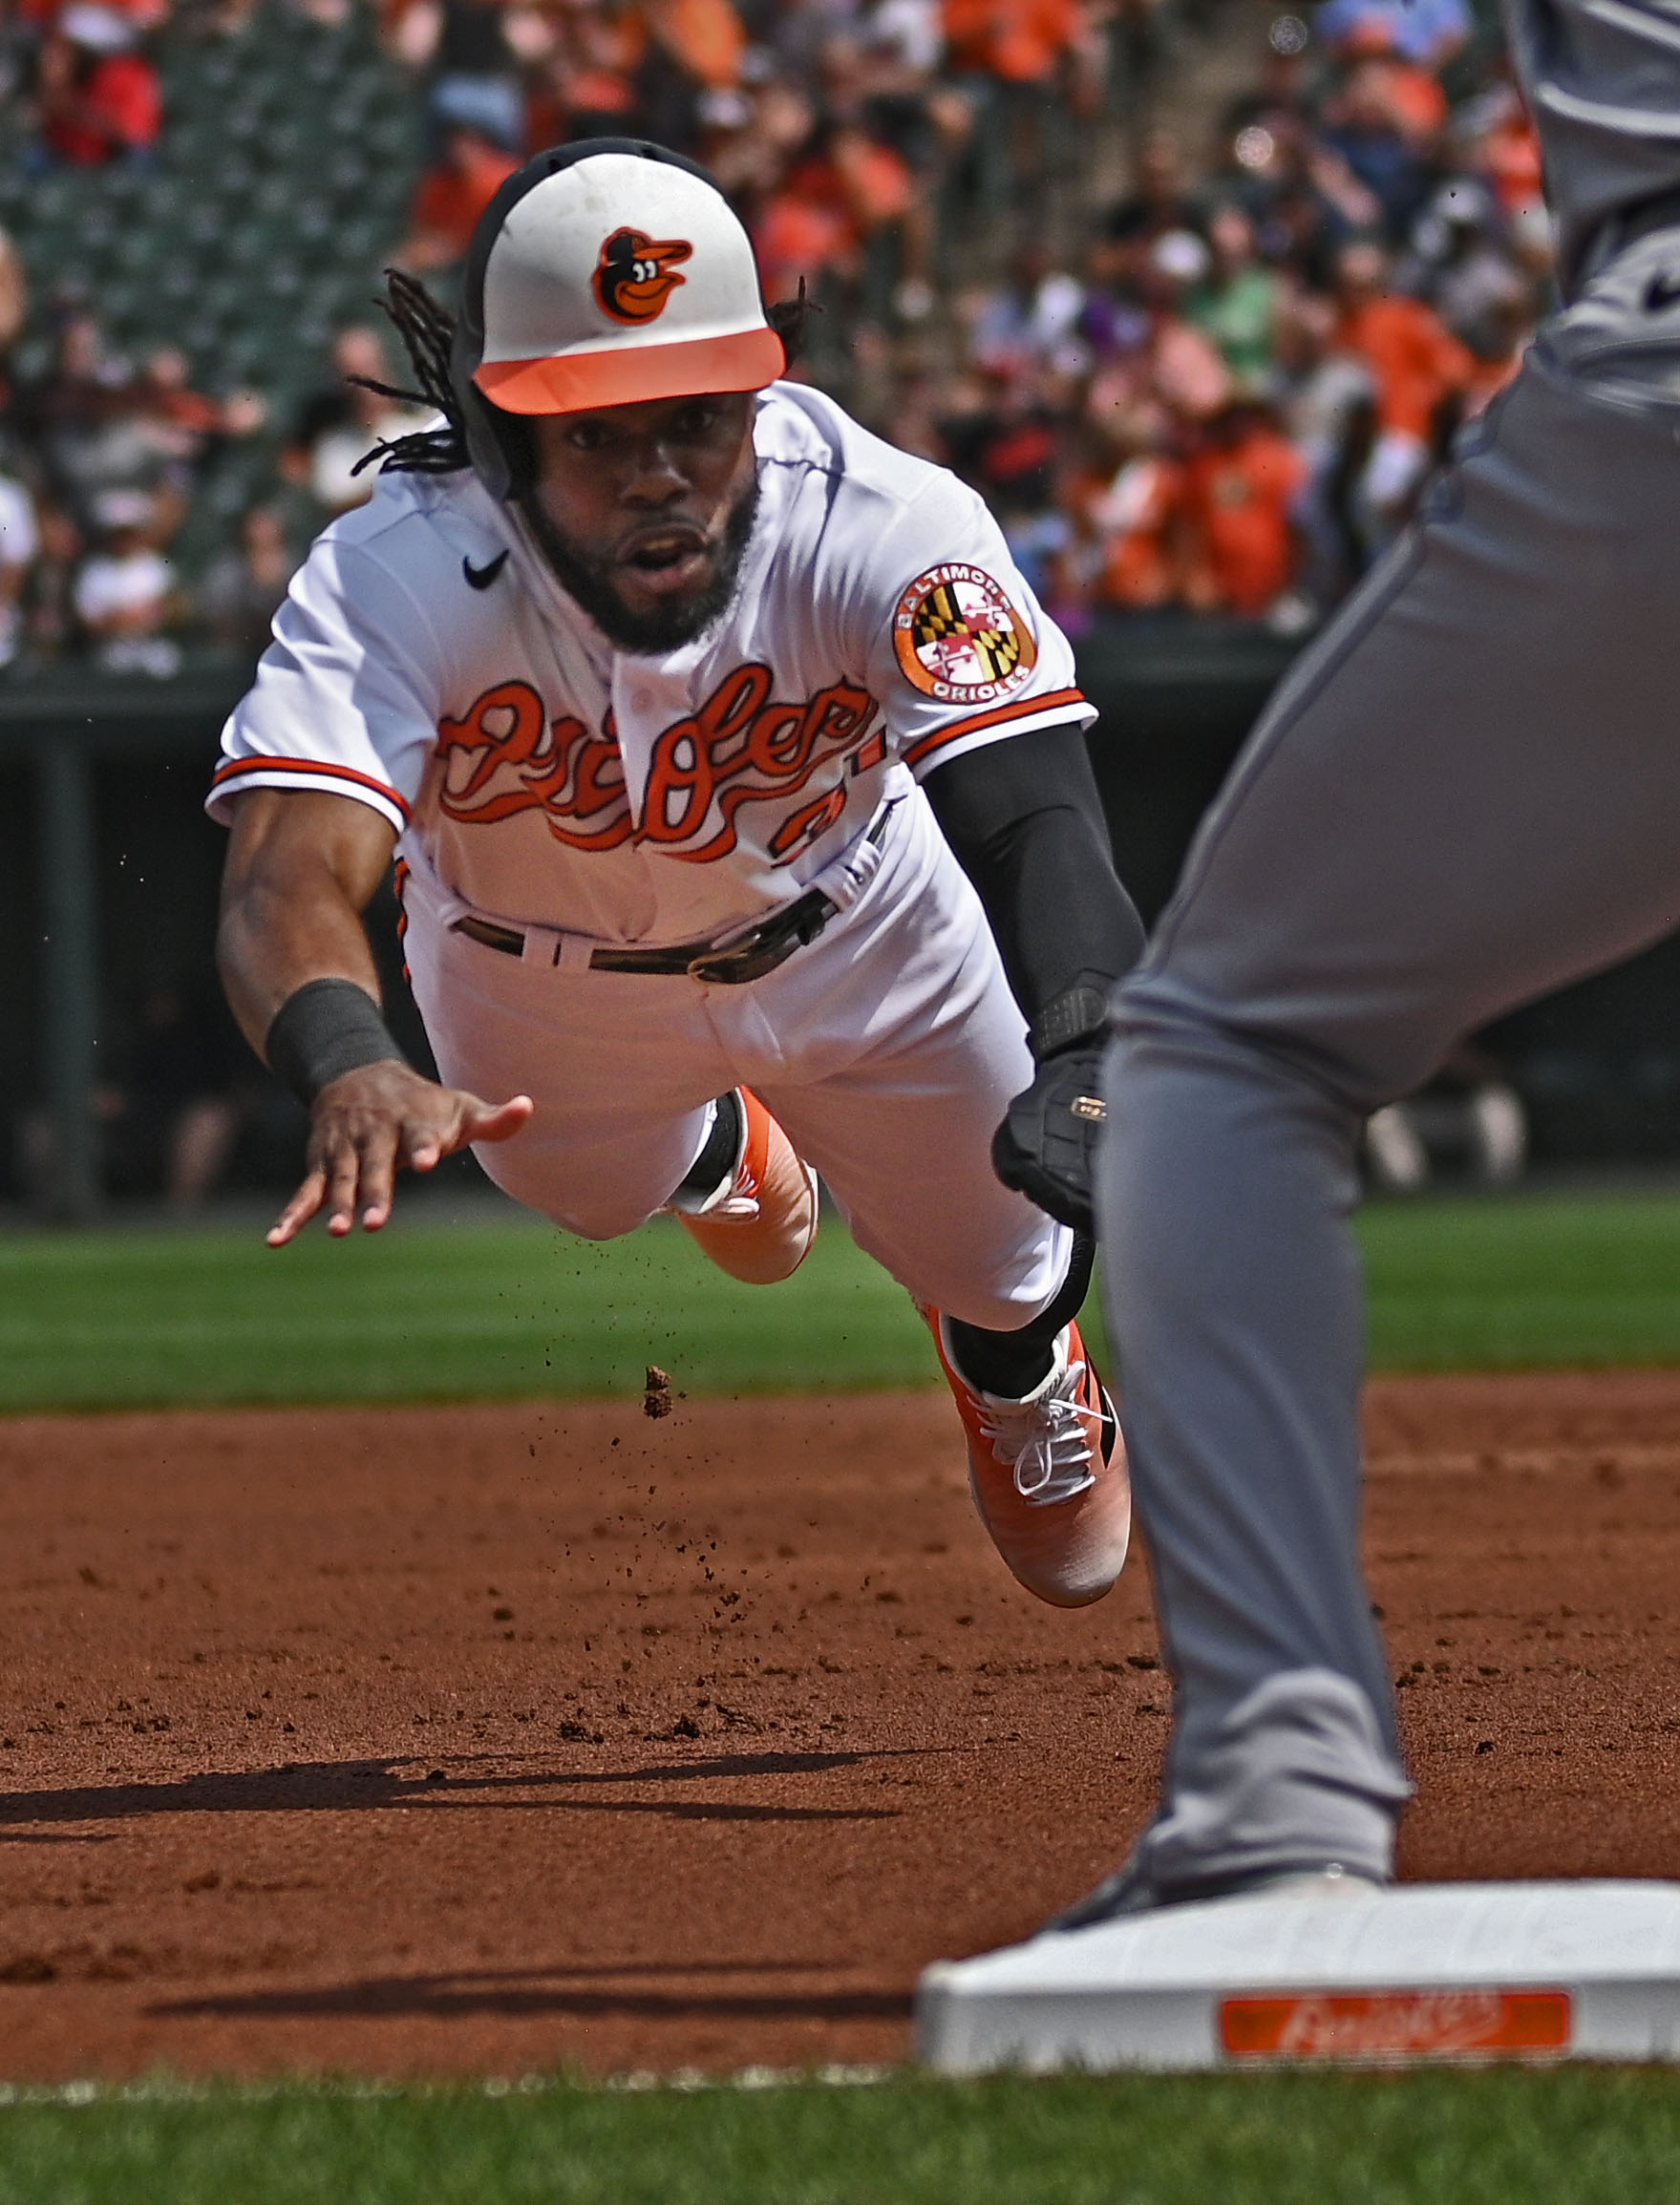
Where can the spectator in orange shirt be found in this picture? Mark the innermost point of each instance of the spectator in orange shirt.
(1022, 41)
(452, 197)
(879, 70)
(100, 101)
(688, 84)
(583, 61)
(1241, 483)
(845, 187)
(1137, 517)
(803, 232)
(1419, 367)
(1017, 54)
(703, 37)
(1503, 144)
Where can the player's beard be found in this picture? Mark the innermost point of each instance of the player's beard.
(586, 578)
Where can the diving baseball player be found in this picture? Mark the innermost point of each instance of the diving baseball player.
(1464, 794)
(677, 692)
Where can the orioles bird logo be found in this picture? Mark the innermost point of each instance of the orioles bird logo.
(634, 276)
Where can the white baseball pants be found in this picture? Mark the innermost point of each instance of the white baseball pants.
(888, 1048)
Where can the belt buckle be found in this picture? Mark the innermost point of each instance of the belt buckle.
(734, 966)
(762, 947)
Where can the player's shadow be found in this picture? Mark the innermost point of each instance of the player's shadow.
(596, 1992)
(441, 1783)
(53, 1838)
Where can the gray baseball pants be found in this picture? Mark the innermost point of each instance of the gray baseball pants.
(1466, 793)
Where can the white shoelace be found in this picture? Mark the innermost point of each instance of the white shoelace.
(738, 1209)
(1047, 1440)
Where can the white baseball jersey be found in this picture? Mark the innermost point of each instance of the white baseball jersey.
(427, 663)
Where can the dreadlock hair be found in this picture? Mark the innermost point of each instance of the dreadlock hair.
(789, 318)
(427, 332)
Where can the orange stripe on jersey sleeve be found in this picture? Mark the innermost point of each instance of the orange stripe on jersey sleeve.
(1000, 714)
(317, 769)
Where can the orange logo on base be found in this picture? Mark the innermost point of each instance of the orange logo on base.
(1458, 2024)
(634, 275)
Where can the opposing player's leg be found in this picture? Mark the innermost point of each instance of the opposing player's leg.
(1463, 796)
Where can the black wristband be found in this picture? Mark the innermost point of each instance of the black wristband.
(1076, 1014)
(322, 1030)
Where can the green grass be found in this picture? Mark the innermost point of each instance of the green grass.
(429, 1311)
(1523, 1283)
(1566, 2137)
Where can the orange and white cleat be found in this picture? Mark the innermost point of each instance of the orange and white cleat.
(759, 1224)
(1049, 1475)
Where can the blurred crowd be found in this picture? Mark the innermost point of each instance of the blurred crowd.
(1228, 398)
(1231, 401)
(1220, 392)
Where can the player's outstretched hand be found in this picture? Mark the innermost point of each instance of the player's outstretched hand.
(1047, 1145)
(370, 1123)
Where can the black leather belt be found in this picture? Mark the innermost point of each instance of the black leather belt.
(729, 963)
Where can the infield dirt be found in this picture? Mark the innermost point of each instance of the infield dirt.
(502, 1739)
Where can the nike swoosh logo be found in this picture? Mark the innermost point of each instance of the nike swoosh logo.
(481, 577)
(1660, 294)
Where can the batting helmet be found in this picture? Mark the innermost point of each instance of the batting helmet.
(602, 273)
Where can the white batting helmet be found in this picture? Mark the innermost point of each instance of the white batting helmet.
(601, 274)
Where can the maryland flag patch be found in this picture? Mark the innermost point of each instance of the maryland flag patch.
(959, 638)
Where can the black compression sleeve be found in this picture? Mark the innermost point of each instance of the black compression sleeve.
(1024, 821)
(322, 1030)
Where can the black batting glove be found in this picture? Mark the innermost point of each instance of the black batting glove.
(1045, 1147)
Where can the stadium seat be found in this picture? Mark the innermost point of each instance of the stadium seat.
(289, 154)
